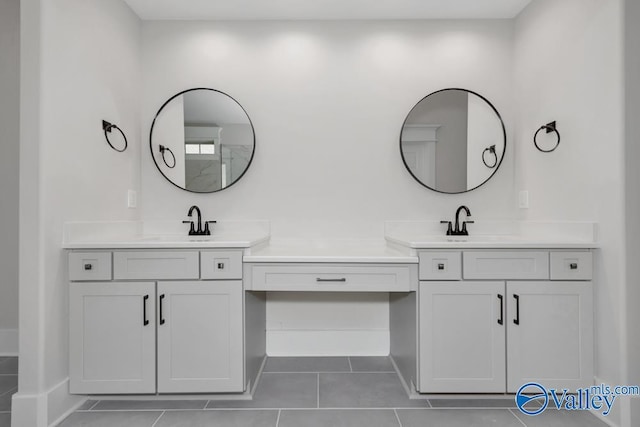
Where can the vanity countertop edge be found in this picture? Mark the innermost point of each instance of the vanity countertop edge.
(479, 243)
(168, 243)
(353, 251)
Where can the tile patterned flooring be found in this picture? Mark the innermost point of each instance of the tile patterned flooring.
(8, 386)
(310, 392)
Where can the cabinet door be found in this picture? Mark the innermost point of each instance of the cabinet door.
(550, 334)
(112, 342)
(200, 341)
(462, 337)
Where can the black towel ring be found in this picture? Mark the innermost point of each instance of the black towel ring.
(107, 127)
(491, 150)
(163, 150)
(549, 127)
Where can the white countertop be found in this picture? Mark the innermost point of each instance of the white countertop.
(400, 244)
(494, 235)
(171, 242)
(486, 242)
(331, 251)
(138, 235)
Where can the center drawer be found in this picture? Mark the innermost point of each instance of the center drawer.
(505, 265)
(149, 265)
(331, 277)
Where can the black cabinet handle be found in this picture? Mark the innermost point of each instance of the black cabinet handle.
(573, 266)
(517, 319)
(501, 319)
(440, 266)
(161, 315)
(145, 321)
(343, 279)
(88, 267)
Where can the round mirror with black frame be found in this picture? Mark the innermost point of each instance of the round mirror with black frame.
(453, 141)
(202, 140)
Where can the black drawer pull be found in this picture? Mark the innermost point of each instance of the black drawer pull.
(343, 279)
(440, 266)
(161, 304)
(220, 265)
(573, 266)
(145, 321)
(501, 319)
(517, 319)
(88, 267)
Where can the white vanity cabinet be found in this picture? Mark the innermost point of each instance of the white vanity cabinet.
(112, 337)
(478, 335)
(462, 345)
(200, 337)
(154, 335)
(552, 341)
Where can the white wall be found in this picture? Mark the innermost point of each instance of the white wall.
(568, 67)
(327, 100)
(632, 193)
(81, 64)
(9, 141)
(169, 132)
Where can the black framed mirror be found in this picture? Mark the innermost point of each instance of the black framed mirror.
(453, 141)
(202, 140)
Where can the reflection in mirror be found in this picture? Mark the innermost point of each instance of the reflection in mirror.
(453, 141)
(209, 134)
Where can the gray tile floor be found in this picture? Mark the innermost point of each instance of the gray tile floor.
(8, 386)
(313, 392)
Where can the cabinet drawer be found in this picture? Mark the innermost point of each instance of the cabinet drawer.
(90, 266)
(508, 265)
(331, 277)
(221, 264)
(156, 265)
(571, 265)
(440, 265)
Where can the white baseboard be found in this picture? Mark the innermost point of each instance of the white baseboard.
(29, 410)
(60, 404)
(8, 342)
(298, 343)
(47, 409)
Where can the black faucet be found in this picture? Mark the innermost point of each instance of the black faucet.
(199, 231)
(457, 231)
